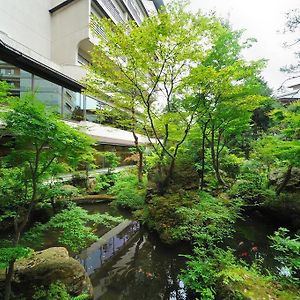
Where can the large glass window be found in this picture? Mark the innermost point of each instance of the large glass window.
(92, 105)
(73, 108)
(48, 92)
(71, 105)
(11, 75)
(25, 82)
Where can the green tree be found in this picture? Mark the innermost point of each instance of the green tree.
(144, 69)
(126, 117)
(41, 143)
(228, 90)
(281, 146)
(291, 25)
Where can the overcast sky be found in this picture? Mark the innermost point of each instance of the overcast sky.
(262, 19)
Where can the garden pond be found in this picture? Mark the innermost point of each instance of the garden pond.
(130, 263)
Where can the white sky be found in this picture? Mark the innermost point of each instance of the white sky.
(262, 19)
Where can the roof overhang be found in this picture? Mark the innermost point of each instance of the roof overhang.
(29, 64)
(108, 135)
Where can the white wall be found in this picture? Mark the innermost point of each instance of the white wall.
(70, 25)
(28, 22)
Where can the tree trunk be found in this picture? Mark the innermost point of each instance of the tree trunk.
(140, 152)
(169, 176)
(215, 159)
(8, 280)
(11, 266)
(140, 167)
(286, 179)
(18, 231)
(203, 156)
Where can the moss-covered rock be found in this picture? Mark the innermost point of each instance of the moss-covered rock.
(276, 177)
(241, 283)
(49, 266)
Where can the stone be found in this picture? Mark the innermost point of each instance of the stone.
(50, 265)
(276, 177)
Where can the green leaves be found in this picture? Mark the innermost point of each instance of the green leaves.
(11, 254)
(288, 253)
(74, 227)
(128, 191)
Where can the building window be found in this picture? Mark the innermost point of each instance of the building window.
(82, 60)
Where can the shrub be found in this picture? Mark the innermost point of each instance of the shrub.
(128, 191)
(231, 165)
(112, 160)
(56, 291)
(190, 215)
(251, 185)
(288, 254)
(214, 273)
(104, 181)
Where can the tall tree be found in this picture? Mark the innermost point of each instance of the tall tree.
(293, 25)
(145, 68)
(228, 90)
(41, 143)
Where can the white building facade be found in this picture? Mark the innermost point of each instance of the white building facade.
(45, 43)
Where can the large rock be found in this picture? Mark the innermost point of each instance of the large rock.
(50, 265)
(276, 177)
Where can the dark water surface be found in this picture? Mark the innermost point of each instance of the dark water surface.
(130, 263)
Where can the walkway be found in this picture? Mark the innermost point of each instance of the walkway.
(92, 173)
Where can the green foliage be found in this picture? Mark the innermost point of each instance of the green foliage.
(288, 254)
(156, 61)
(190, 216)
(56, 291)
(4, 92)
(11, 254)
(231, 165)
(112, 160)
(206, 267)
(72, 228)
(104, 181)
(129, 192)
(251, 184)
(214, 273)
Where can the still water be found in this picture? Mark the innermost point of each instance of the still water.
(130, 263)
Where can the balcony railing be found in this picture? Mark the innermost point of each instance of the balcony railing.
(133, 11)
(98, 29)
(113, 10)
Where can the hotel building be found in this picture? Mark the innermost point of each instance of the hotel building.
(44, 45)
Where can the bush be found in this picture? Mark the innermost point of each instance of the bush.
(214, 273)
(251, 185)
(231, 165)
(56, 291)
(104, 181)
(111, 159)
(190, 215)
(288, 254)
(128, 191)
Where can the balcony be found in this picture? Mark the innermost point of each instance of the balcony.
(98, 29)
(132, 10)
(109, 5)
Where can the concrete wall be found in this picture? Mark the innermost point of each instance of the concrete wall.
(70, 25)
(28, 24)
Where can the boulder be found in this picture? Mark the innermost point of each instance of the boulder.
(48, 266)
(277, 176)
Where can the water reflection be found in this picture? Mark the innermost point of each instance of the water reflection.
(108, 246)
(133, 264)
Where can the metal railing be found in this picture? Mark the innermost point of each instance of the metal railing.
(98, 30)
(133, 11)
(111, 7)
